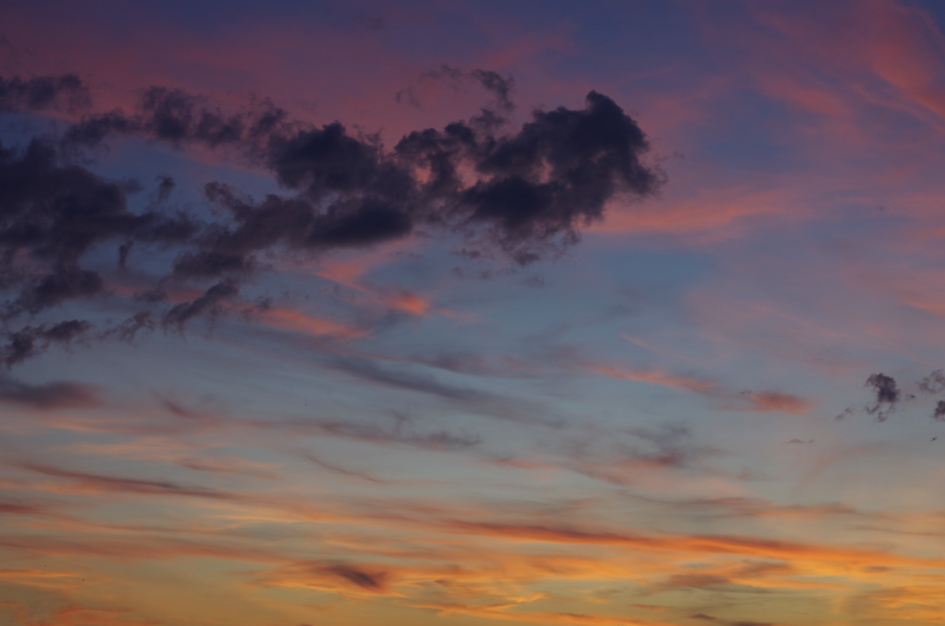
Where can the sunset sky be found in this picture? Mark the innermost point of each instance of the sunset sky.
(456, 314)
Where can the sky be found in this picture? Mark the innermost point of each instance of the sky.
(460, 314)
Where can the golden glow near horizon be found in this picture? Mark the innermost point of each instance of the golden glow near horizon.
(594, 315)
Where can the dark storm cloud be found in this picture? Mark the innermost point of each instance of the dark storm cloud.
(53, 395)
(66, 91)
(526, 193)
(531, 189)
(887, 395)
(539, 185)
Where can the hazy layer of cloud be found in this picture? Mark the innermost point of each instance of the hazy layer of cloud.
(66, 91)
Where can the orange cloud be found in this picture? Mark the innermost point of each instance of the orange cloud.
(288, 319)
(775, 401)
(763, 401)
(655, 377)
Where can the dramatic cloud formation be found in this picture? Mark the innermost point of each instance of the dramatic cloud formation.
(525, 192)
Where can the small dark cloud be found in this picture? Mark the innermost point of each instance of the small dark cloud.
(66, 91)
(177, 117)
(671, 445)
(423, 381)
(401, 433)
(151, 296)
(31, 341)
(614, 459)
(128, 330)
(126, 485)
(210, 304)
(331, 467)
(123, 251)
(697, 581)
(500, 87)
(408, 95)
(177, 409)
(211, 263)
(55, 395)
(165, 187)
(887, 395)
(847, 412)
(61, 284)
(368, 369)
(933, 383)
(939, 412)
(364, 580)
(182, 409)
(709, 618)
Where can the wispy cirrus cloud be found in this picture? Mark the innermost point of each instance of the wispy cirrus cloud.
(762, 401)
